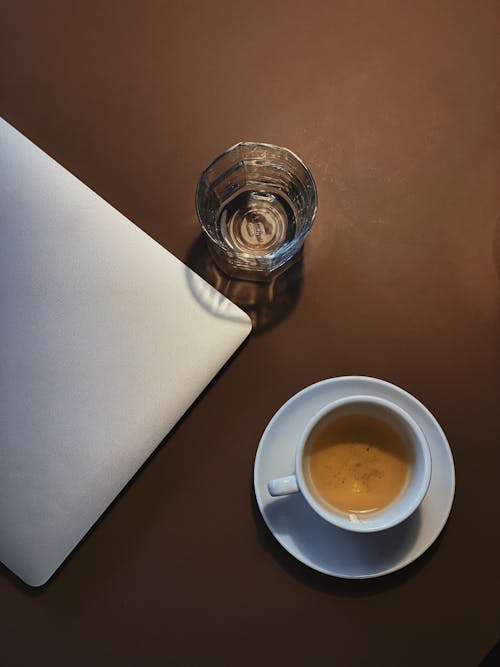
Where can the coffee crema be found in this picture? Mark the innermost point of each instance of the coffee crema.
(356, 463)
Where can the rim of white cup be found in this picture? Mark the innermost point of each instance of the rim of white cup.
(371, 523)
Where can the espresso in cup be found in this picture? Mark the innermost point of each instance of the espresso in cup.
(356, 463)
(362, 463)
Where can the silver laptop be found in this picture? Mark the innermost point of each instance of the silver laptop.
(105, 341)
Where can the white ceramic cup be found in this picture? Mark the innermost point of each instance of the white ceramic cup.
(407, 500)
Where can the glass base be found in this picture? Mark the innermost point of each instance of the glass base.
(253, 273)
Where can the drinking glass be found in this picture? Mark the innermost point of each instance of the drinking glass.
(256, 203)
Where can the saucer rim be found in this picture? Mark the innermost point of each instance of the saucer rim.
(443, 442)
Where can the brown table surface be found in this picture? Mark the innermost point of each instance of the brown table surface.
(394, 107)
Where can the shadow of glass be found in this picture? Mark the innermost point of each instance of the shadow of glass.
(358, 551)
(266, 303)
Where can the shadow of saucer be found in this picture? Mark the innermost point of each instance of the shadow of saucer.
(266, 303)
(336, 549)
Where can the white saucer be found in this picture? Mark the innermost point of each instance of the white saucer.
(317, 543)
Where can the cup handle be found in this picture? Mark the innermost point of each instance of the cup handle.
(282, 486)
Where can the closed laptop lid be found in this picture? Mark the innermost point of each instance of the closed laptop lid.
(105, 340)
